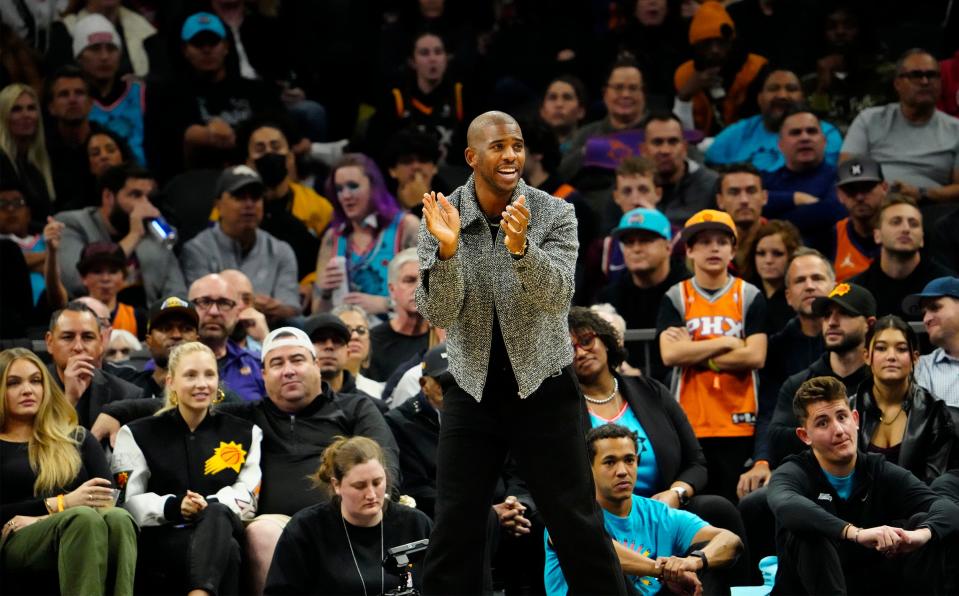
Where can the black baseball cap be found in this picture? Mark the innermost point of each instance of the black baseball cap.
(173, 306)
(859, 168)
(853, 299)
(327, 322)
(234, 178)
(436, 361)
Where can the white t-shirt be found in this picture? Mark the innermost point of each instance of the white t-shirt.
(921, 155)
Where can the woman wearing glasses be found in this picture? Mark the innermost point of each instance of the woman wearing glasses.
(358, 349)
(368, 229)
(671, 468)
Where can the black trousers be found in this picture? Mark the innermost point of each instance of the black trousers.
(546, 436)
(720, 513)
(810, 563)
(725, 462)
(203, 555)
(760, 529)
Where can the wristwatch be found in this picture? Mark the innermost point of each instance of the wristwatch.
(702, 557)
(683, 498)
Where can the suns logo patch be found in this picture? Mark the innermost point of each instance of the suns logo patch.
(227, 455)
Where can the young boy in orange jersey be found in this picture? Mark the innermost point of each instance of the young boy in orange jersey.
(710, 328)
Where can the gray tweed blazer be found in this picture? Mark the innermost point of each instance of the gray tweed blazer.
(532, 294)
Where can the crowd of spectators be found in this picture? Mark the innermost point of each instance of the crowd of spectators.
(209, 212)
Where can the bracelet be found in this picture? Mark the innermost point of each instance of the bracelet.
(60, 505)
(521, 252)
(46, 503)
(713, 366)
(856, 537)
(845, 531)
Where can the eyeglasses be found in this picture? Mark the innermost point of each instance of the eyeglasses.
(351, 186)
(585, 342)
(105, 322)
(11, 204)
(205, 303)
(360, 330)
(917, 75)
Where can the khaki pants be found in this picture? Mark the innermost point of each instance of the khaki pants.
(93, 551)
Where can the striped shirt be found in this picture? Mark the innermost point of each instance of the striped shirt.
(938, 373)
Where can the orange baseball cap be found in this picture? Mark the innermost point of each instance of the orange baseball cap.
(709, 219)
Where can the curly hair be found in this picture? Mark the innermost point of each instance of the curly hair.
(608, 431)
(583, 319)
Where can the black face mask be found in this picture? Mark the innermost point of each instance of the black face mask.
(120, 220)
(271, 168)
(239, 333)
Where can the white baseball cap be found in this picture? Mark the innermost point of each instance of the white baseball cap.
(287, 336)
(93, 29)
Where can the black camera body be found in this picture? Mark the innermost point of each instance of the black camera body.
(399, 560)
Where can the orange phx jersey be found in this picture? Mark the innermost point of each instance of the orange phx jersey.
(722, 404)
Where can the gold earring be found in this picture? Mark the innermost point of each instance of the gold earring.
(173, 397)
(220, 396)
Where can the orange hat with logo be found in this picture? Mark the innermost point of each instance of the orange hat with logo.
(709, 219)
(711, 21)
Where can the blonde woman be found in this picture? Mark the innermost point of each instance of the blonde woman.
(23, 150)
(56, 502)
(338, 546)
(189, 475)
(358, 349)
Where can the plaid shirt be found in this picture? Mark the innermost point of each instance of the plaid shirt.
(532, 294)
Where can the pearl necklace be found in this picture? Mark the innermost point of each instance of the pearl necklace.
(598, 402)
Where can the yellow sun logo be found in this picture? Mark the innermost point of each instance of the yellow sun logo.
(840, 290)
(227, 455)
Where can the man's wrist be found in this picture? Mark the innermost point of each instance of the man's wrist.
(518, 253)
(700, 556)
(446, 252)
(682, 494)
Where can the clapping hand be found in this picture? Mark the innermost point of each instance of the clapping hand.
(514, 223)
(443, 222)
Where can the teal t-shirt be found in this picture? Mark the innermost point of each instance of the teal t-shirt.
(842, 484)
(652, 529)
(648, 482)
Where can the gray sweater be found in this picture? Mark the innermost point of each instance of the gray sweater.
(270, 264)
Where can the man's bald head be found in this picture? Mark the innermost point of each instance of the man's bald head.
(475, 134)
(212, 283)
(242, 284)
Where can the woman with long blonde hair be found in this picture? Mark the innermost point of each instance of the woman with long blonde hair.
(23, 150)
(189, 474)
(56, 505)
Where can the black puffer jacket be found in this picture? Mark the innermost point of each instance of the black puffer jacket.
(930, 436)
